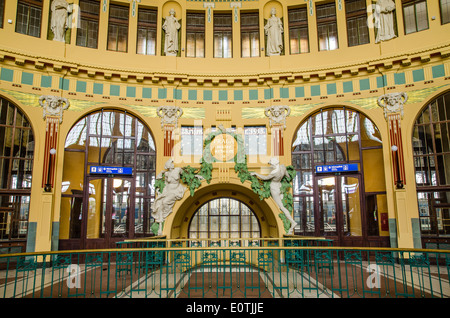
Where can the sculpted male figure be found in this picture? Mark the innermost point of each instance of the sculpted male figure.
(276, 175)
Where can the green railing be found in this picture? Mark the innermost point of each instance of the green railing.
(243, 268)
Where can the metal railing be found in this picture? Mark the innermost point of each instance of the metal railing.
(243, 268)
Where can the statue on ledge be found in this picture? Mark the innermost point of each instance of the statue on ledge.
(274, 30)
(171, 27)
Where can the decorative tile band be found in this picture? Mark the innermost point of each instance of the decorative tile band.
(128, 92)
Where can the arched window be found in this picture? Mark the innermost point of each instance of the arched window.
(105, 207)
(339, 190)
(16, 162)
(431, 145)
(224, 218)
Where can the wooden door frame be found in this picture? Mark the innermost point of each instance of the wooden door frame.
(107, 240)
(340, 238)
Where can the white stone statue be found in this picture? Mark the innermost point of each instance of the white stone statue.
(54, 105)
(171, 27)
(384, 20)
(169, 115)
(392, 102)
(277, 114)
(60, 19)
(276, 175)
(274, 30)
(172, 192)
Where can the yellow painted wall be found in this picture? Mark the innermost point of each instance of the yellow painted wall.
(424, 52)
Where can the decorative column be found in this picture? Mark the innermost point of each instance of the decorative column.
(393, 112)
(277, 122)
(404, 224)
(52, 114)
(169, 122)
(42, 212)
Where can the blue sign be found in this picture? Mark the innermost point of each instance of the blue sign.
(350, 167)
(111, 170)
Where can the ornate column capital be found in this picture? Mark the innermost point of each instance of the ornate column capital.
(169, 115)
(53, 106)
(277, 115)
(392, 103)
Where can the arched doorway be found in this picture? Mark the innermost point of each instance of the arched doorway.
(16, 163)
(224, 218)
(111, 199)
(238, 196)
(335, 194)
(431, 146)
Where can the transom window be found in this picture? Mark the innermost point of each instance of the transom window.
(224, 218)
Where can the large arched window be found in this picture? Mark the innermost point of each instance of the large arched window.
(431, 144)
(339, 190)
(100, 208)
(16, 162)
(224, 218)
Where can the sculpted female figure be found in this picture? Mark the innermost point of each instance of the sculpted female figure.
(276, 175)
(273, 30)
(171, 26)
(173, 191)
(385, 20)
(59, 23)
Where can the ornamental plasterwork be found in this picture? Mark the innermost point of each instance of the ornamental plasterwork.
(53, 106)
(169, 115)
(277, 114)
(392, 102)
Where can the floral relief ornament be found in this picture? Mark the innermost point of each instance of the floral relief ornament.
(53, 105)
(392, 102)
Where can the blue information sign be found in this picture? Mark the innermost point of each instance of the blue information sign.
(111, 170)
(337, 168)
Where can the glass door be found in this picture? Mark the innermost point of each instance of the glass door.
(328, 205)
(339, 206)
(108, 206)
